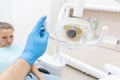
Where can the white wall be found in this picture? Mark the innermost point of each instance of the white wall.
(5, 10)
(25, 14)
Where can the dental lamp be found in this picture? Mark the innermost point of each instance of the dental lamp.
(75, 26)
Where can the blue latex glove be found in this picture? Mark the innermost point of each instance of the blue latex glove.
(36, 43)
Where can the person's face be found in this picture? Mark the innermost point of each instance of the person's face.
(6, 37)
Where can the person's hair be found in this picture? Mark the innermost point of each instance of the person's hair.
(5, 25)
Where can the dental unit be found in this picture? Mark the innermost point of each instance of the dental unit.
(75, 32)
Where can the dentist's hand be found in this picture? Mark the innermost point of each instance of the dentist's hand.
(36, 44)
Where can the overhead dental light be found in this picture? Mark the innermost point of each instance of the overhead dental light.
(74, 30)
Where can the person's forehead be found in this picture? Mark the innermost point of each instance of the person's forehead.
(6, 31)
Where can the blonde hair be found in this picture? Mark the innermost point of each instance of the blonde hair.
(5, 25)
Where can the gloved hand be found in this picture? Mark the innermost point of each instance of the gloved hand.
(36, 43)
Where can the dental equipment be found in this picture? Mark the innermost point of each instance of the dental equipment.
(73, 32)
(77, 32)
